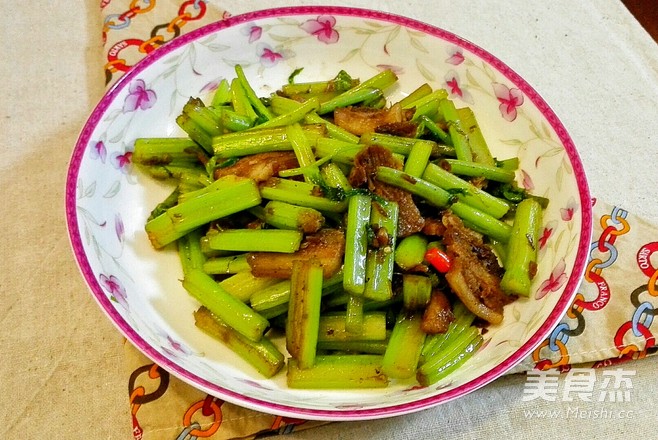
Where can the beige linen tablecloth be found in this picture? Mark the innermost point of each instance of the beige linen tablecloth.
(62, 373)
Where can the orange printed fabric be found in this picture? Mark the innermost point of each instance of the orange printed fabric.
(162, 406)
(610, 319)
(133, 29)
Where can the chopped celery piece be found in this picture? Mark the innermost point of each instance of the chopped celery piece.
(404, 347)
(262, 355)
(356, 234)
(350, 371)
(224, 197)
(257, 240)
(228, 308)
(522, 248)
(302, 325)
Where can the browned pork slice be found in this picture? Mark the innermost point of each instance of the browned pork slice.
(326, 246)
(360, 120)
(363, 174)
(261, 166)
(475, 273)
(403, 129)
(433, 227)
(438, 314)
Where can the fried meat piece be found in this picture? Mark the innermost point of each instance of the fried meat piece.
(363, 174)
(475, 273)
(433, 227)
(438, 314)
(360, 120)
(327, 246)
(402, 129)
(261, 166)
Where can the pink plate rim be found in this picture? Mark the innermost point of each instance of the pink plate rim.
(287, 410)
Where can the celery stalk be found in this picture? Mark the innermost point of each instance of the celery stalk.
(455, 355)
(354, 314)
(457, 134)
(416, 291)
(380, 262)
(293, 116)
(257, 240)
(479, 148)
(419, 187)
(228, 197)
(243, 285)
(354, 268)
(418, 158)
(222, 95)
(255, 101)
(333, 327)
(404, 346)
(409, 101)
(262, 355)
(410, 251)
(303, 321)
(300, 194)
(226, 265)
(466, 191)
(474, 169)
(438, 132)
(228, 308)
(189, 251)
(380, 81)
(166, 151)
(338, 372)
(240, 102)
(286, 216)
(399, 144)
(482, 222)
(304, 153)
(522, 248)
(258, 140)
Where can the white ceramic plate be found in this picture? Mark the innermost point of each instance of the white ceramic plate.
(138, 288)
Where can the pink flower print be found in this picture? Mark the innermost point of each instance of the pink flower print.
(98, 151)
(172, 347)
(323, 28)
(118, 227)
(526, 181)
(509, 100)
(456, 56)
(254, 32)
(395, 69)
(139, 97)
(175, 348)
(115, 288)
(210, 86)
(268, 56)
(568, 211)
(455, 89)
(121, 161)
(546, 234)
(554, 282)
(453, 86)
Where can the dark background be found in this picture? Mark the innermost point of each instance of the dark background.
(646, 12)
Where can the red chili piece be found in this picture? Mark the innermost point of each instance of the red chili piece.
(438, 259)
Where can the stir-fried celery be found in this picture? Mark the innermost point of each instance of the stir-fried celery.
(358, 217)
(306, 235)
